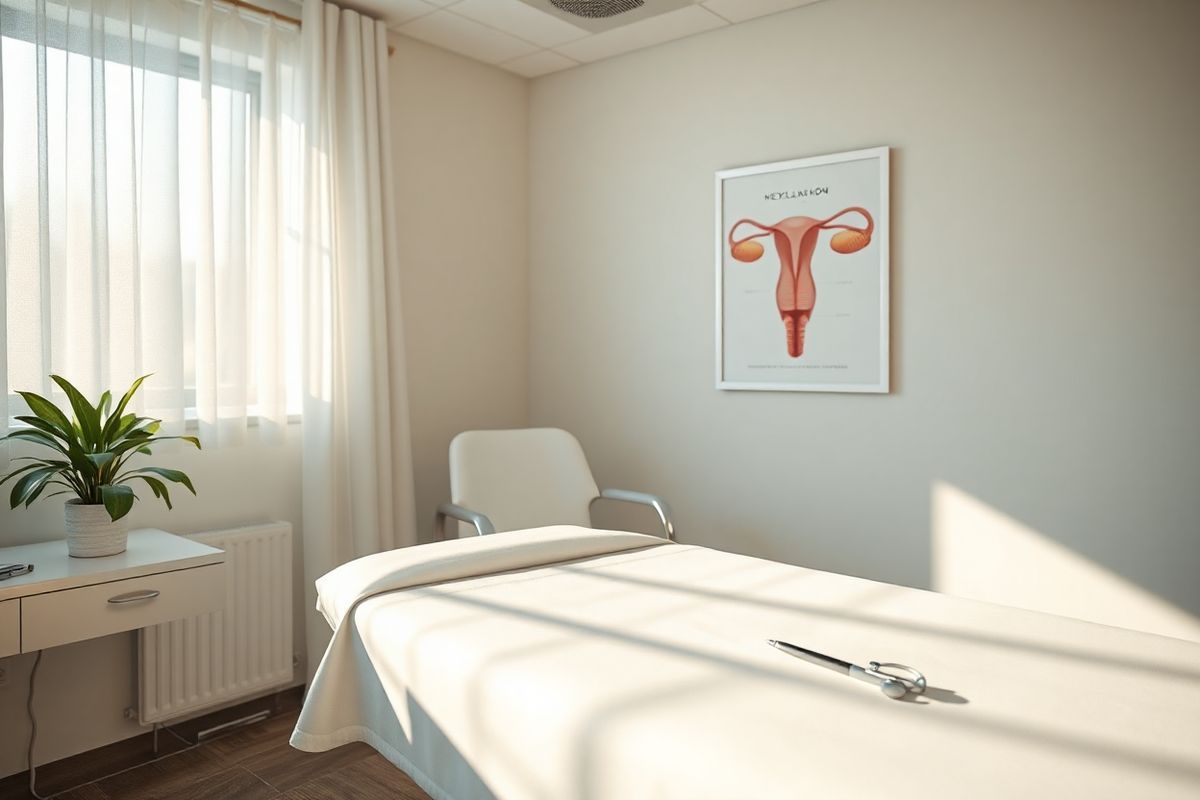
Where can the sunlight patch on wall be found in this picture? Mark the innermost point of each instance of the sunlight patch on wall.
(981, 553)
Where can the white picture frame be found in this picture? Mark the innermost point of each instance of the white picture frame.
(830, 330)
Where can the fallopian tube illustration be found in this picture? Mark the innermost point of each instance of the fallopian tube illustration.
(796, 240)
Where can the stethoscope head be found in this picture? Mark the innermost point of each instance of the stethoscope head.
(896, 680)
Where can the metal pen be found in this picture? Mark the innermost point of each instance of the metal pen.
(892, 685)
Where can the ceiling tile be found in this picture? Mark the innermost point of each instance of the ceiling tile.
(400, 11)
(466, 37)
(520, 20)
(644, 33)
(443, 2)
(542, 63)
(742, 10)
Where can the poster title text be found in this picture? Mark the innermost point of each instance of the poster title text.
(793, 194)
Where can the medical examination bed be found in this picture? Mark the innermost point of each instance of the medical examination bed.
(567, 663)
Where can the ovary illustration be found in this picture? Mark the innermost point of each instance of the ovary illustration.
(796, 241)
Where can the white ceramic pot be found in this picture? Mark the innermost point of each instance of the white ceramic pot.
(91, 533)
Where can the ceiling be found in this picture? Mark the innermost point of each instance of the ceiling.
(531, 37)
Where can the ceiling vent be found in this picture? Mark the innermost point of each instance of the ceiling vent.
(597, 9)
(597, 16)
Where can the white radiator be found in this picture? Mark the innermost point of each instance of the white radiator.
(246, 648)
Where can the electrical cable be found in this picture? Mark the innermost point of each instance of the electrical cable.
(33, 740)
(32, 726)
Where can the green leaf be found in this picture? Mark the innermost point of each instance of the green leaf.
(144, 428)
(79, 469)
(117, 499)
(173, 475)
(46, 461)
(72, 449)
(45, 427)
(105, 402)
(125, 445)
(38, 437)
(33, 435)
(27, 483)
(132, 423)
(87, 416)
(158, 487)
(20, 471)
(125, 424)
(192, 440)
(116, 418)
(38, 486)
(79, 460)
(99, 460)
(47, 411)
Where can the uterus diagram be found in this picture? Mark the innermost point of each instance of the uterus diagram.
(796, 242)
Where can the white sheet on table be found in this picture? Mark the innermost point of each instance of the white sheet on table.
(644, 674)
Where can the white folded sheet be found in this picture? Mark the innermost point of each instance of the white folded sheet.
(565, 663)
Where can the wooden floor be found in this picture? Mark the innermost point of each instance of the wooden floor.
(249, 763)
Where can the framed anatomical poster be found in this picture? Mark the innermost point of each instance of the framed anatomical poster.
(802, 274)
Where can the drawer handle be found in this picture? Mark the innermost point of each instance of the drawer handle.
(133, 597)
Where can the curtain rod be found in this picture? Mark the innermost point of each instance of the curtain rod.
(270, 13)
(260, 10)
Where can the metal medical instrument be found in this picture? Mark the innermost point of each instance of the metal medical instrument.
(13, 570)
(894, 680)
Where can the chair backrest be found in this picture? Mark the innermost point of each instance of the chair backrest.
(524, 478)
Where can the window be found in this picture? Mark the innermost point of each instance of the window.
(147, 167)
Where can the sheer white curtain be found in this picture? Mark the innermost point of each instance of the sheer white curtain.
(358, 483)
(205, 194)
(149, 152)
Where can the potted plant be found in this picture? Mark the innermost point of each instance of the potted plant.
(91, 449)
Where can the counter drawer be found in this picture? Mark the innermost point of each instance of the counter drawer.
(10, 628)
(70, 615)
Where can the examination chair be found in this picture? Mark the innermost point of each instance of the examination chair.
(527, 478)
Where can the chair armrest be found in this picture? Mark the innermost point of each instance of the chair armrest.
(641, 498)
(482, 524)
